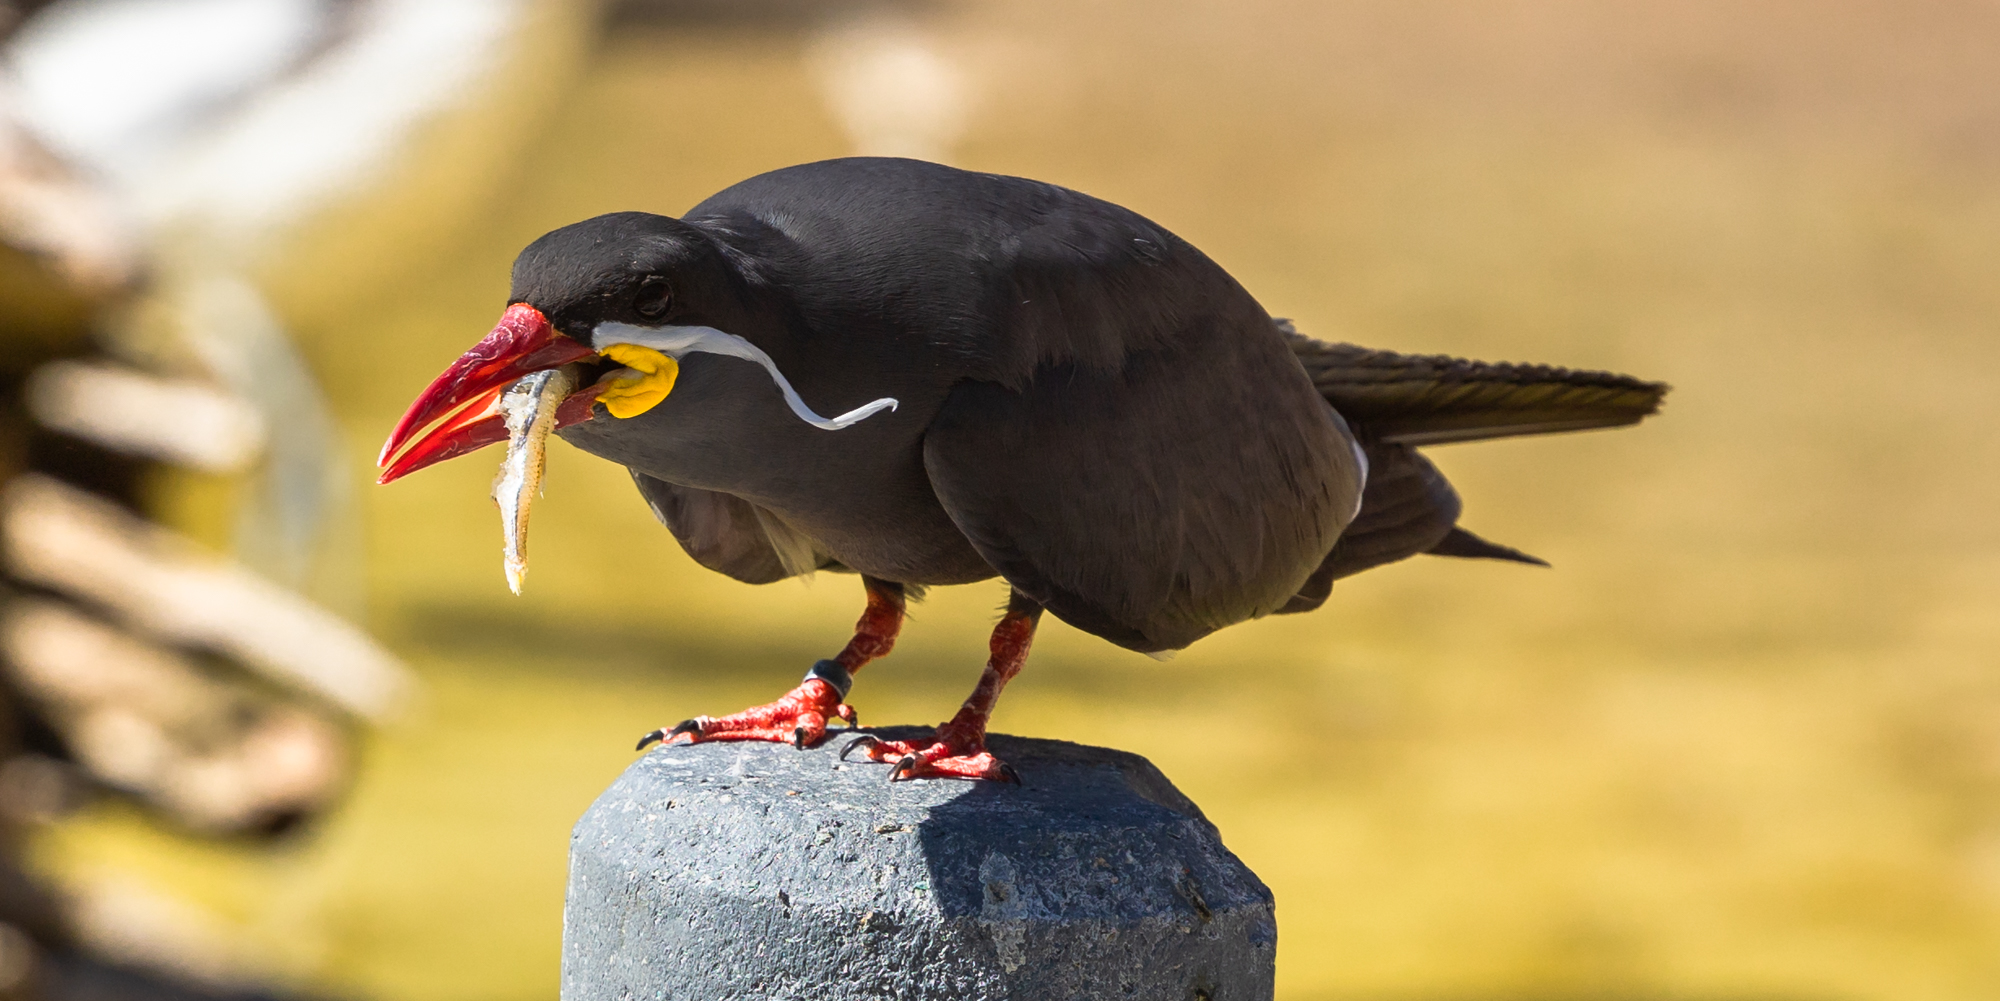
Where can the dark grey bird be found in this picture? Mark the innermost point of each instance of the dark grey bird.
(1030, 383)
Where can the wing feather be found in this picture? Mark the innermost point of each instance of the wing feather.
(1153, 504)
(728, 534)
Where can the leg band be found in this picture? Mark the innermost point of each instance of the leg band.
(833, 673)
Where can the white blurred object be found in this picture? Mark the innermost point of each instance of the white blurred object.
(162, 584)
(892, 89)
(238, 116)
(118, 84)
(122, 915)
(47, 209)
(332, 128)
(149, 721)
(126, 410)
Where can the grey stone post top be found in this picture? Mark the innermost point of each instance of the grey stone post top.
(754, 870)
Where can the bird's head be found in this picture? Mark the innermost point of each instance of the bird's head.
(621, 297)
(629, 268)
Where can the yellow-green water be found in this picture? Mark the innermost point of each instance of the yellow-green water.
(1742, 741)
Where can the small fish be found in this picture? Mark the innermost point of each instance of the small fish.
(529, 407)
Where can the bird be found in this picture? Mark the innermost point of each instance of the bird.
(1031, 383)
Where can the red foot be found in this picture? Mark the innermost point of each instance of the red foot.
(957, 750)
(798, 718)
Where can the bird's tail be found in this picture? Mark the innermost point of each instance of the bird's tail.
(1434, 399)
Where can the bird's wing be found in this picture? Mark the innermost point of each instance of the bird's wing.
(722, 532)
(1153, 503)
(1434, 399)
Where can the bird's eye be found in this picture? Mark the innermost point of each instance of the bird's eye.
(653, 298)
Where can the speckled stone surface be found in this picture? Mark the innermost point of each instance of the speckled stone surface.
(753, 871)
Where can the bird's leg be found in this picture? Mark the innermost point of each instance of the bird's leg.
(800, 715)
(958, 748)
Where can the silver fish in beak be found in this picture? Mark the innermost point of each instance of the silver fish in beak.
(529, 408)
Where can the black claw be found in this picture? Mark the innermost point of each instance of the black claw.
(853, 716)
(1008, 774)
(692, 726)
(867, 739)
(906, 763)
(799, 737)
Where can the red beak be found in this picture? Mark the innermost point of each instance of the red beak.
(464, 397)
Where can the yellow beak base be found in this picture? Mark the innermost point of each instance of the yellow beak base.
(650, 379)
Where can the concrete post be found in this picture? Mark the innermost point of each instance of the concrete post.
(756, 871)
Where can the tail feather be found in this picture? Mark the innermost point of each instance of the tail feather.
(1461, 543)
(1434, 399)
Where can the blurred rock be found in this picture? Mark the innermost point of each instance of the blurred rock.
(161, 584)
(215, 756)
(173, 420)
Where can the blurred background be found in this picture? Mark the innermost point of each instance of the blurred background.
(274, 731)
